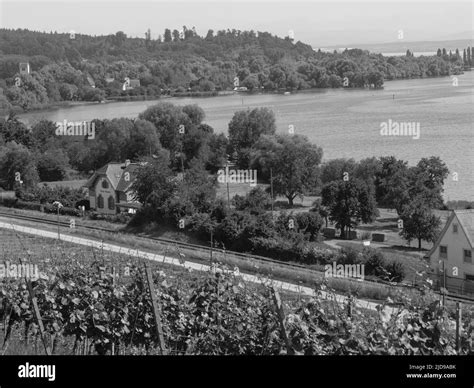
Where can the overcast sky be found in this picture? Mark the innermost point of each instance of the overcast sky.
(318, 23)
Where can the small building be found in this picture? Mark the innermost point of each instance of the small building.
(110, 188)
(451, 263)
(134, 83)
(24, 68)
(90, 80)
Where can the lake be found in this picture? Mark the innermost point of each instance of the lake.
(347, 123)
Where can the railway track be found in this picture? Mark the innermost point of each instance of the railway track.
(163, 241)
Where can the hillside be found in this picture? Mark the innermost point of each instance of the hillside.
(73, 67)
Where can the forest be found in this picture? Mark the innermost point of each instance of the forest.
(75, 67)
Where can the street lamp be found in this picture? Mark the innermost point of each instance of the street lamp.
(58, 207)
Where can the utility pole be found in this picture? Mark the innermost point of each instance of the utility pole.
(458, 326)
(444, 283)
(227, 183)
(212, 239)
(58, 206)
(271, 186)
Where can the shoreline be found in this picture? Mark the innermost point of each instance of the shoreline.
(71, 104)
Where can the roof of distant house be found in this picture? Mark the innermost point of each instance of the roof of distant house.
(123, 184)
(466, 221)
(113, 171)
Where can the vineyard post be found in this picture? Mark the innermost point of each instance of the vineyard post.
(349, 306)
(281, 318)
(458, 326)
(154, 302)
(212, 240)
(38, 317)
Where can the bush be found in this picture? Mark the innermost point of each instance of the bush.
(28, 205)
(374, 263)
(46, 194)
(121, 218)
(256, 201)
(315, 255)
(201, 224)
(396, 271)
(9, 202)
(64, 211)
(278, 249)
(349, 256)
(309, 223)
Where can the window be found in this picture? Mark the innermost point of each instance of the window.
(443, 251)
(100, 201)
(455, 228)
(105, 184)
(111, 203)
(467, 256)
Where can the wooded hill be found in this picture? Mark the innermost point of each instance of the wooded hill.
(67, 67)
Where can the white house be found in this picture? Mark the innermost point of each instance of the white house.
(24, 68)
(450, 258)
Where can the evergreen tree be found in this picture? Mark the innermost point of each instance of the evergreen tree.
(167, 35)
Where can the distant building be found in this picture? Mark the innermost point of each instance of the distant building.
(451, 263)
(24, 68)
(90, 80)
(134, 83)
(110, 188)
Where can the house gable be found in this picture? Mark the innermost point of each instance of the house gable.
(454, 217)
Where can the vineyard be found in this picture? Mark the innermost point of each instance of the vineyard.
(94, 302)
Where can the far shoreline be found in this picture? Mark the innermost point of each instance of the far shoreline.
(72, 104)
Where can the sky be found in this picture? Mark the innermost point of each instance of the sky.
(319, 23)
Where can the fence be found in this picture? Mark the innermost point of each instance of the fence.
(454, 285)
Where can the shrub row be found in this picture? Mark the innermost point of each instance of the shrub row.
(46, 208)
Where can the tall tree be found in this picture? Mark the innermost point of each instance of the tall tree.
(154, 185)
(167, 36)
(293, 161)
(392, 182)
(17, 167)
(176, 36)
(349, 202)
(419, 223)
(245, 129)
(12, 129)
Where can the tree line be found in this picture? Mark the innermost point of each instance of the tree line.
(94, 68)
